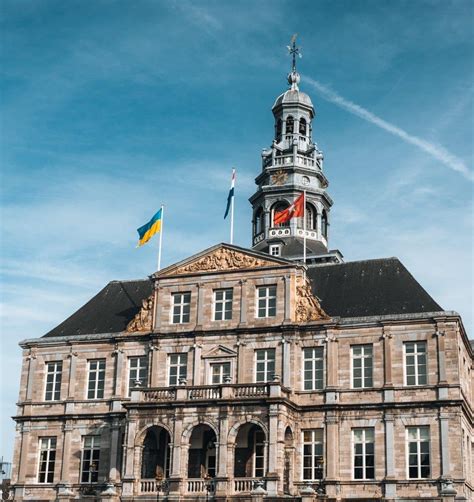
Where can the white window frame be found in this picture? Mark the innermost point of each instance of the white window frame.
(313, 360)
(94, 447)
(267, 298)
(181, 304)
(98, 371)
(47, 445)
(266, 360)
(418, 441)
(225, 302)
(261, 445)
(314, 446)
(415, 354)
(214, 363)
(363, 357)
(182, 356)
(56, 381)
(364, 443)
(137, 369)
(274, 250)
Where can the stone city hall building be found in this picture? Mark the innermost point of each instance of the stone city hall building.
(244, 374)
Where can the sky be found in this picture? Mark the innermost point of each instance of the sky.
(111, 108)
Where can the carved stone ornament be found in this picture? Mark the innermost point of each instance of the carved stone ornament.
(143, 321)
(224, 259)
(307, 305)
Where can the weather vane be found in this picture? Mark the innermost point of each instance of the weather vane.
(294, 51)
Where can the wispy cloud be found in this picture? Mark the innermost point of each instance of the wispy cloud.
(437, 151)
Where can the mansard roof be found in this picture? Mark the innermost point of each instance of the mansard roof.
(354, 289)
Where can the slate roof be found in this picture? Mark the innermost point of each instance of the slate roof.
(369, 288)
(353, 289)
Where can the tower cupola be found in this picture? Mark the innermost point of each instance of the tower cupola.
(291, 165)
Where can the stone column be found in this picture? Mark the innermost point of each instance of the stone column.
(442, 380)
(332, 367)
(390, 484)
(286, 363)
(129, 448)
(158, 308)
(240, 361)
(155, 353)
(114, 467)
(332, 452)
(444, 444)
(272, 452)
(31, 374)
(197, 364)
(200, 305)
(176, 460)
(72, 375)
(318, 224)
(119, 360)
(243, 302)
(23, 460)
(287, 280)
(387, 361)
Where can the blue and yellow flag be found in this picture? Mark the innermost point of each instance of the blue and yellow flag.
(148, 230)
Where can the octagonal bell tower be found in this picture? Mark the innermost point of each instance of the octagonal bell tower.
(291, 165)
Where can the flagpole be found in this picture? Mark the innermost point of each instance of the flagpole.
(161, 235)
(304, 227)
(232, 209)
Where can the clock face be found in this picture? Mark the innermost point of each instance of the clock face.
(279, 177)
(305, 180)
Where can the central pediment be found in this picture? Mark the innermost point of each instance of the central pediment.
(222, 257)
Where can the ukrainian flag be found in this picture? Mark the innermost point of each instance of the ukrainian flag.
(148, 230)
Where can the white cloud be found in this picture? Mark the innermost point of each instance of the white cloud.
(436, 151)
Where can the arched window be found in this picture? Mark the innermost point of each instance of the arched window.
(250, 452)
(277, 208)
(311, 215)
(290, 123)
(259, 221)
(324, 224)
(279, 127)
(156, 453)
(303, 126)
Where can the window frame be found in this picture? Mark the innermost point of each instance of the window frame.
(182, 306)
(98, 371)
(363, 358)
(179, 365)
(225, 301)
(314, 370)
(222, 374)
(416, 365)
(267, 299)
(314, 443)
(50, 463)
(56, 382)
(267, 376)
(94, 448)
(138, 370)
(364, 453)
(418, 453)
(274, 247)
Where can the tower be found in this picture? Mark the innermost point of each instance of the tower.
(291, 165)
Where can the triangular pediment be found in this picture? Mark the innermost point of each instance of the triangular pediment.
(220, 351)
(221, 258)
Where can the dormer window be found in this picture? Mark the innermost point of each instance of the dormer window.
(275, 250)
(290, 124)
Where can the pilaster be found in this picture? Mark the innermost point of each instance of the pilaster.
(243, 302)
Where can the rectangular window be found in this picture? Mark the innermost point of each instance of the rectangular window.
(275, 250)
(223, 304)
(313, 368)
(177, 368)
(313, 454)
(266, 296)
(137, 372)
(181, 307)
(95, 387)
(54, 372)
(47, 459)
(264, 365)
(418, 449)
(362, 366)
(219, 372)
(363, 448)
(259, 454)
(415, 363)
(90, 459)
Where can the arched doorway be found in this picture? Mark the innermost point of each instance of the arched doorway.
(156, 456)
(250, 452)
(202, 452)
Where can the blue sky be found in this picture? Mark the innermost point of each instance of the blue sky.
(110, 108)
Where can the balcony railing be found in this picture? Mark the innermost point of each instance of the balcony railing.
(209, 393)
(245, 485)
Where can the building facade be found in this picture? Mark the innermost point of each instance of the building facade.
(246, 374)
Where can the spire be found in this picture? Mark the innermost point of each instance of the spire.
(294, 51)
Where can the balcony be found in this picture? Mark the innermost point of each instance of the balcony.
(207, 393)
(199, 486)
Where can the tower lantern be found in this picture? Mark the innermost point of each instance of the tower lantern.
(291, 165)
